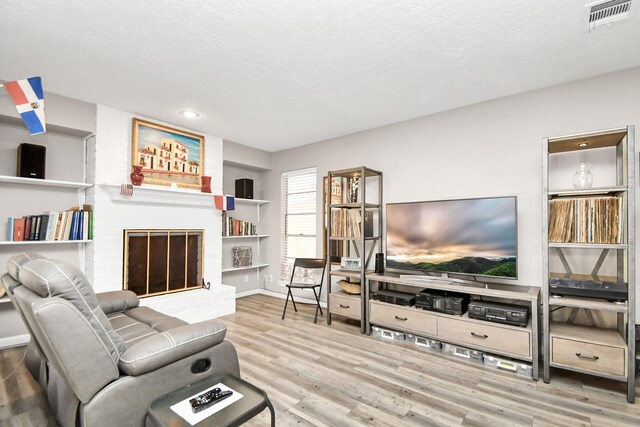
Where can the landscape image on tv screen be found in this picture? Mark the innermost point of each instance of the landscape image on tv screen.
(471, 236)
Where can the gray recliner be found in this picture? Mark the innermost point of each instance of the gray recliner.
(105, 359)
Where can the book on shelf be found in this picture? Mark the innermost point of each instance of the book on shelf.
(18, 229)
(42, 228)
(35, 227)
(237, 227)
(27, 227)
(68, 222)
(10, 228)
(348, 223)
(51, 225)
(586, 220)
(73, 224)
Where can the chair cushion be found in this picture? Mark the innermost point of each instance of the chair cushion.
(49, 278)
(140, 323)
(15, 262)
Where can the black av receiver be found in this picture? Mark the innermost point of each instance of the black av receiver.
(395, 297)
(442, 301)
(511, 314)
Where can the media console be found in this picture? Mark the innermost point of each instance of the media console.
(517, 342)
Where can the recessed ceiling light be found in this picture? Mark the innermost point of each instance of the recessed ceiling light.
(189, 114)
(582, 144)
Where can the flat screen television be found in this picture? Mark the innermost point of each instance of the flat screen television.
(477, 237)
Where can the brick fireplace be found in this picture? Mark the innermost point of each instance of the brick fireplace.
(152, 208)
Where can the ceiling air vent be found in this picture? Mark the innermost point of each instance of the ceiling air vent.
(606, 12)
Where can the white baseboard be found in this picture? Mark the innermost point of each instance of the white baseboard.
(14, 341)
(277, 295)
(247, 293)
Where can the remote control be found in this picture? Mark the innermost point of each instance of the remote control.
(208, 399)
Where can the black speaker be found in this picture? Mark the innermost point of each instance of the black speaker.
(244, 188)
(379, 263)
(31, 160)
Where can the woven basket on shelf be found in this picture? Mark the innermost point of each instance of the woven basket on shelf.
(350, 288)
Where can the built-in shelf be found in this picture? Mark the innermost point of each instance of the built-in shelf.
(603, 191)
(251, 201)
(41, 242)
(14, 341)
(43, 182)
(589, 245)
(255, 236)
(251, 267)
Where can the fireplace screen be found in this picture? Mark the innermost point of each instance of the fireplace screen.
(162, 261)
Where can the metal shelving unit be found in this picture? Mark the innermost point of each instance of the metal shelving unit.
(354, 306)
(591, 349)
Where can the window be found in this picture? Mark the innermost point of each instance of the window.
(298, 226)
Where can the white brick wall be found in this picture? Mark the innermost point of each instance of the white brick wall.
(109, 159)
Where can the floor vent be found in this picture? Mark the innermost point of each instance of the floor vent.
(607, 12)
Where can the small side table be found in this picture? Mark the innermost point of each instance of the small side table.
(253, 402)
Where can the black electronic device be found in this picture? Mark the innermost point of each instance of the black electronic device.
(379, 266)
(209, 398)
(510, 314)
(244, 188)
(442, 301)
(31, 160)
(613, 291)
(395, 297)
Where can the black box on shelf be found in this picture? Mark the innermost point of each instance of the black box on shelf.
(31, 160)
(443, 301)
(244, 188)
(395, 297)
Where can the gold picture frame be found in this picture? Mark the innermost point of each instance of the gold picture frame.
(167, 155)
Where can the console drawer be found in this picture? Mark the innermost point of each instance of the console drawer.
(588, 356)
(403, 318)
(346, 305)
(476, 334)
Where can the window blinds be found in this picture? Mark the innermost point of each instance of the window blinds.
(298, 221)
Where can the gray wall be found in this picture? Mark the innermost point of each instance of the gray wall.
(246, 157)
(487, 149)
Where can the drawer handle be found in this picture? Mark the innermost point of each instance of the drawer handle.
(587, 357)
(401, 318)
(344, 306)
(483, 336)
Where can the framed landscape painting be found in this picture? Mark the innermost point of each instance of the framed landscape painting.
(168, 156)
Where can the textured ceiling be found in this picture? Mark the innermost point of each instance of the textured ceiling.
(282, 73)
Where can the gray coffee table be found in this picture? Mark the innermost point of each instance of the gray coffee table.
(253, 402)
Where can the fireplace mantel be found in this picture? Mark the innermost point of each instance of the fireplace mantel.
(159, 195)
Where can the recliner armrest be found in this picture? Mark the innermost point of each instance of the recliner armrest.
(167, 347)
(117, 301)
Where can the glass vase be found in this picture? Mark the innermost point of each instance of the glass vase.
(583, 178)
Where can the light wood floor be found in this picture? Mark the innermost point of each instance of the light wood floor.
(334, 376)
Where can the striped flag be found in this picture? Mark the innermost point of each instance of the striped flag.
(126, 190)
(28, 97)
(225, 203)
